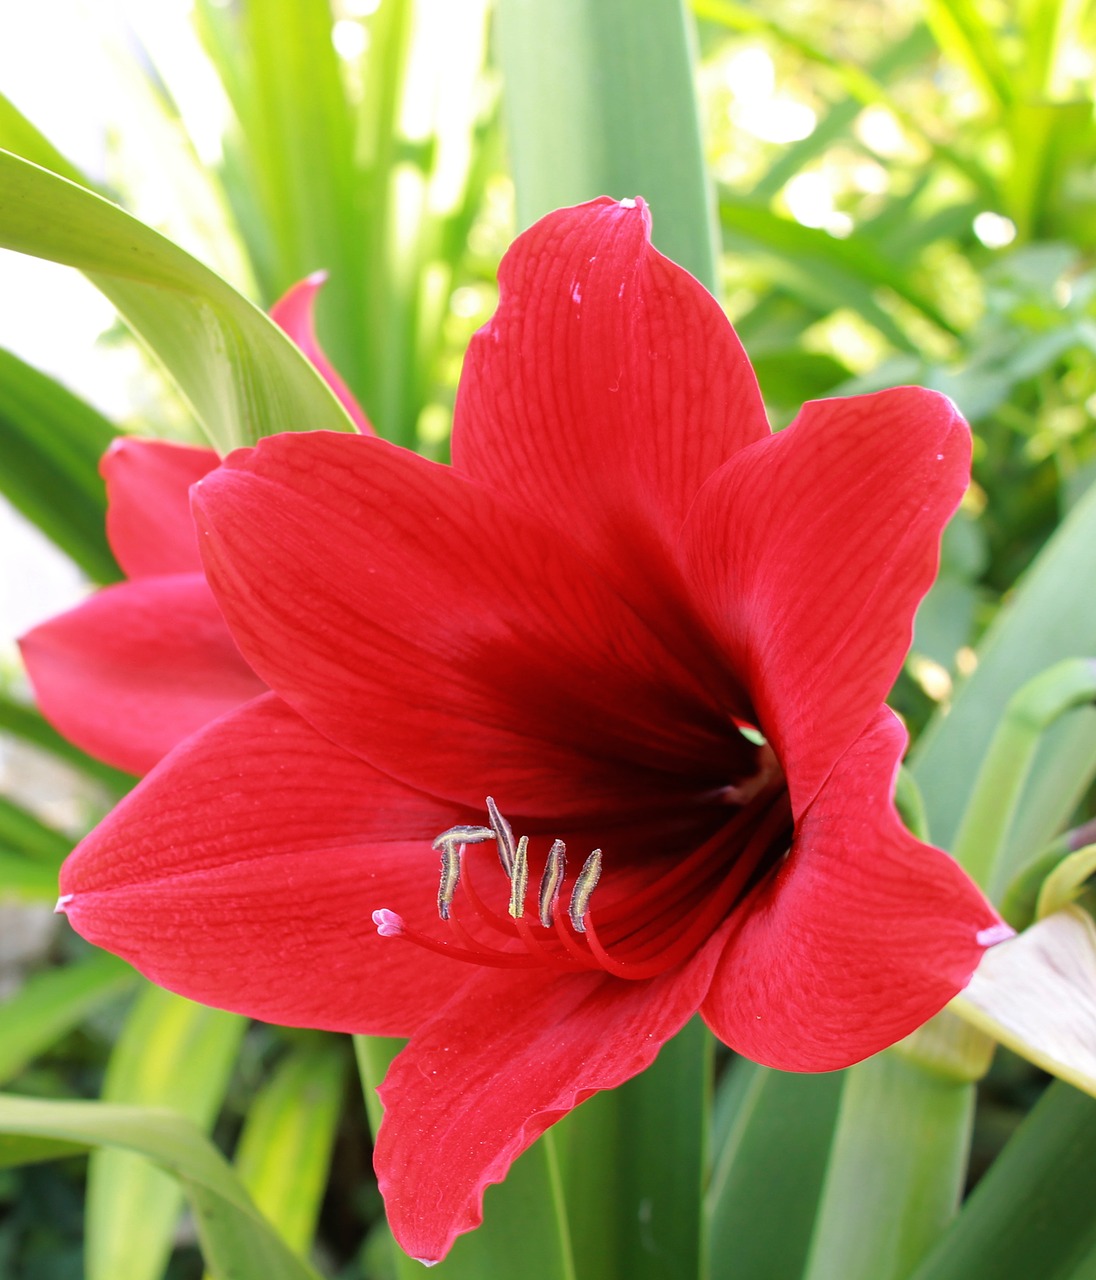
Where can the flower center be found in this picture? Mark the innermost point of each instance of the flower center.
(645, 918)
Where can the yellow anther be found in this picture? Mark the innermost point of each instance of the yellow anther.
(519, 881)
(551, 882)
(585, 884)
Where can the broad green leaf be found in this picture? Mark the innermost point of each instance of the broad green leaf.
(51, 442)
(240, 373)
(20, 136)
(52, 1003)
(237, 1242)
(1066, 882)
(22, 832)
(967, 38)
(23, 721)
(319, 174)
(851, 268)
(16, 1150)
(585, 119)
(1045, 620)
(291, 173)
(25, 880)
(284, 1153)
(896, 1170)
(633, 1163)
(171, 1053)
(1032, 1214)
(773, 1135)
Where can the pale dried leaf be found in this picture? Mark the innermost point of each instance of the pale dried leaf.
(1036, 994)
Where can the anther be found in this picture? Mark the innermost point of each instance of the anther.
(520, 880)
(504, 837)
(585, 884)
(551, 883)
(450, 844)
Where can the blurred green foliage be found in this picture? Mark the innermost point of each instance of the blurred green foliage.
(906, 194)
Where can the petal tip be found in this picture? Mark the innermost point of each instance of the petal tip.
(995, 933)
(62, 904)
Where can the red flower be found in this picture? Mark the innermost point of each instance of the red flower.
(140, 666)
(620, 584)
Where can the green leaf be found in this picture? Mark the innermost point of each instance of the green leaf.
(26, 880)
(52, 1003)
(291, 176)
(846, 271)
(19, 136)
(20, 830)
(238, 1244)
(585, 120)
(773, 1134)
(241, 374)
(171, 1053)
(52, 442)
(633, 1164)
(1032, 1214)
(1045, 620)
(896, 1170)
(284, 1153)
(25, 722)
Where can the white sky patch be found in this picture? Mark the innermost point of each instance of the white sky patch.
(441, 89)
(350, 39)
(994, 230)
(809, 198)
(878, 130)
(756, 108)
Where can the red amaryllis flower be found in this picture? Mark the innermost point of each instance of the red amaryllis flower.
(140, 666)
(641, 623)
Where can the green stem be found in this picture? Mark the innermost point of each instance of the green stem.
(980, 842)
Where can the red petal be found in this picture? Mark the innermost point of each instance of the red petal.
(862, 935)
(608, 386)
(814, 549)
(244, 872)
(447, 637)
(508, 1057)
(149, 525)
(136, 668)
(293, 313)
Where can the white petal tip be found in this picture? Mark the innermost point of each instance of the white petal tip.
(427, 1262)
(627, 203)
(62, 903)
(996, 933)
(316, 279)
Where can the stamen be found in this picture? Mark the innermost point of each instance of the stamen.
(451, 844)
(552, 882)
(504, 837)
(520, 881)
(450, 877)
(585, 884)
